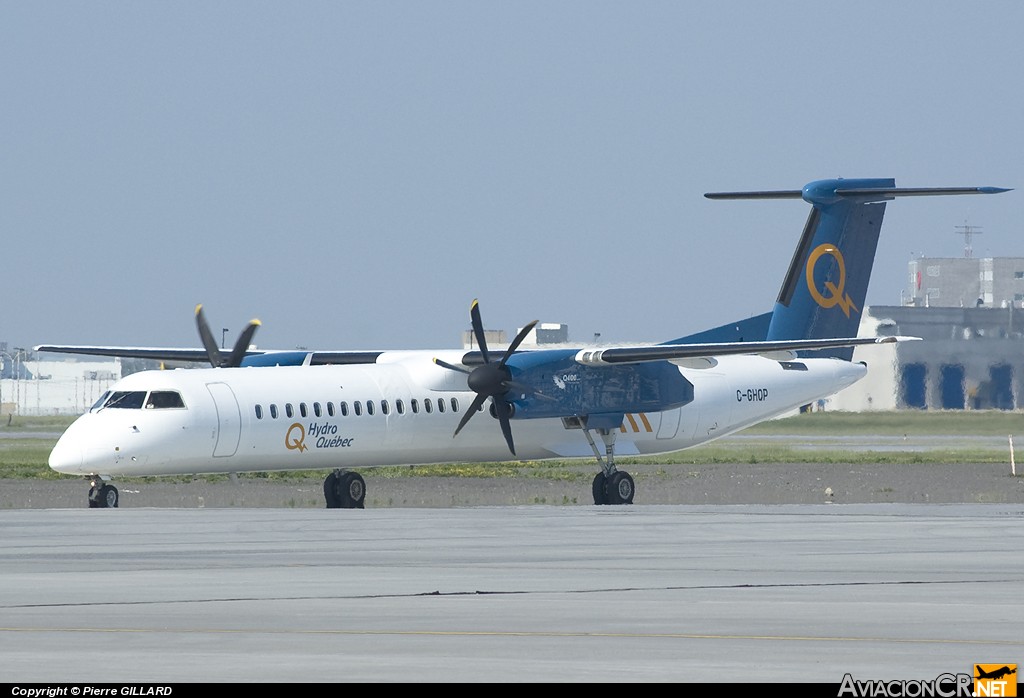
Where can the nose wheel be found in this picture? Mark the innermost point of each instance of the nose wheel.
(102, 495)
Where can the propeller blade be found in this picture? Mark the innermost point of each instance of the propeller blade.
(209, 343)
(478, 402)
(478, 330)
(445, 364)
(502, 409)
(516, 342)
(242, 344)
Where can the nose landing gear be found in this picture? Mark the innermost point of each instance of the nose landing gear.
(102, 495)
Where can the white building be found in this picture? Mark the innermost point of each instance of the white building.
(52, 387)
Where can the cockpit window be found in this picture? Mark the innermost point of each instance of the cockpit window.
(99, 403)
(125, 400)
(164, 400)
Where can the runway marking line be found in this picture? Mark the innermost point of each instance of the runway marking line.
(509, 633)
(508, 592)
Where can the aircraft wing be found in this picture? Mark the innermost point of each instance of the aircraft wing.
(782, 349)
(253, 357)
(154, 353)
(595, 357)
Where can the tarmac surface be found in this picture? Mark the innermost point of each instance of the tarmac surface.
(536, 592)
(721, 572)
(717, 483)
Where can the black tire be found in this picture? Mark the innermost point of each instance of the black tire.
(600, 489)
(108, 498)
(332, 494)
(352, 489)
(621, 488)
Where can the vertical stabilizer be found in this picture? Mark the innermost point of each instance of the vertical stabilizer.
(824, 290)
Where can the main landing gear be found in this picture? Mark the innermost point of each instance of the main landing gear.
(344, 490)
(102, 495)
(611, 486)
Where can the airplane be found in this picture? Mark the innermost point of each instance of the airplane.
(261, 410)
(995, 674)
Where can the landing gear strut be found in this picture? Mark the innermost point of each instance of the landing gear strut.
(102, 495)
(611, 486)
(344, 490)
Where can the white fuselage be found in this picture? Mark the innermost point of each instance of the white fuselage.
(306, 417)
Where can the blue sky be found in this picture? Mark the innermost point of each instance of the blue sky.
(355, 173)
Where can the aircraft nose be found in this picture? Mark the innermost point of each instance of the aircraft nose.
(66, 457)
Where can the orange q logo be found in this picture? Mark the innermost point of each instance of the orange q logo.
(295, 444)
(837, 295)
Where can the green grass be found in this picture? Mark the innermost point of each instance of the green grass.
(752, 453)
(19, 423)
(26, 457)
(897, 423)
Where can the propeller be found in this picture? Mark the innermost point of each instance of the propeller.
(491, 379)
(234, 359)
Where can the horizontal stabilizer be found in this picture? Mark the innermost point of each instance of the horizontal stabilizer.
(858, 192)
(785, 194)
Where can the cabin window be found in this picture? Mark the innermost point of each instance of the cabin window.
(369, 407)
(357, 407)
(288, 411)
(399, 407)
(455, 405)
(330, 409)
(316, 409)
(428, 406)
(343, 406)
(302, 410)
(125, 400)
(259, 411)
(273, 411)
(415, 405)
(384, 408)
(440, 404)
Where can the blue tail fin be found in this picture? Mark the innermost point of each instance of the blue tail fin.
(823, 294)
(824, 290)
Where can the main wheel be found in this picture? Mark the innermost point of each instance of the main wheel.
(352, 489)
(600, 489)
(621, 488)
(332, 494)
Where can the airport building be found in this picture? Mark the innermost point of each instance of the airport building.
(34, 385)
(970, 314)
(945, 282)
